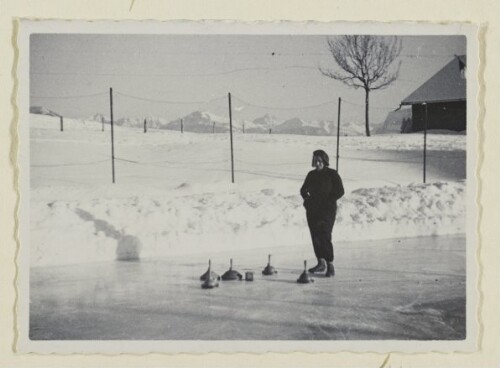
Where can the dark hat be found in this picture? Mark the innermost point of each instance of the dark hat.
(323, 155)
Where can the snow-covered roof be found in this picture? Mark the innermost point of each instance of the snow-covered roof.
(448, 84)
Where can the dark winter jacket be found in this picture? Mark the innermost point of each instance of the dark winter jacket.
(321, 190)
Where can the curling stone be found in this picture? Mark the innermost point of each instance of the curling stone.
(269, 270)
(305, 278)
(249, 276)
(212, 279)
(210, 284)
(209, 274)
(231, 274)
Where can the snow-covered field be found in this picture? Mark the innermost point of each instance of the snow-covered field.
(173, 193)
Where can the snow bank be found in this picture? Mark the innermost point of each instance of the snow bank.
(174, 194)
(103, 229)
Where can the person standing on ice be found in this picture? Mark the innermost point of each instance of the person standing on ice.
(320, 191)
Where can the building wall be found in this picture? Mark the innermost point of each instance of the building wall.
(443, 115)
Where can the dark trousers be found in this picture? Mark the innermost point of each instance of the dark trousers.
(321, 226)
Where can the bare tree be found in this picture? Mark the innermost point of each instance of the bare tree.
(365, 62)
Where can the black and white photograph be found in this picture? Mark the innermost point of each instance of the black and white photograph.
(307, 186)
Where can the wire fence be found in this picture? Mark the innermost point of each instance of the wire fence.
(255, 156)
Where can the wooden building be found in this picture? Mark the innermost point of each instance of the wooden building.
(444, 95)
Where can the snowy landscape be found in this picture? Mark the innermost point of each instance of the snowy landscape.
(173, 192)
(117, 246)
(173, 207)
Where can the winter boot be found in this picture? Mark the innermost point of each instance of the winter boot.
(320, 267)
(330, 270)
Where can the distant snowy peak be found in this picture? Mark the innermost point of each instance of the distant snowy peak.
(200, 122)
(42, 111)
(207, 117)
(294, 122)
(299, 126)
(266, 121)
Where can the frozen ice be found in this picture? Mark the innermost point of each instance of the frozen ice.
(401, 289)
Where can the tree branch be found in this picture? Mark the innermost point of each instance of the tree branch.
(364, 61)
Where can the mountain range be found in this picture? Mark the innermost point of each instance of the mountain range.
(206, 122)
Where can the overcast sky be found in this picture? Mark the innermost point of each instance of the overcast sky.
(278, 72)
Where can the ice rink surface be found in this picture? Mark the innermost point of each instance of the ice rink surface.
(403, 289)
